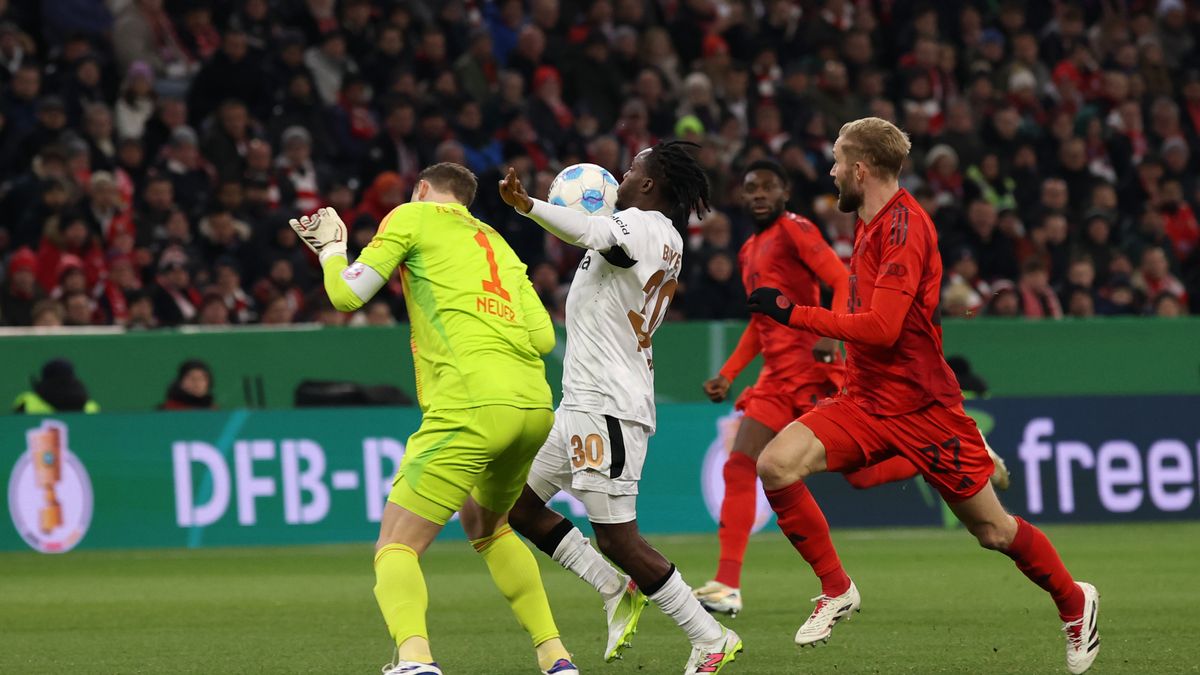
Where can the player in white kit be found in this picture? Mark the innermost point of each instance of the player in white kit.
(598, 445)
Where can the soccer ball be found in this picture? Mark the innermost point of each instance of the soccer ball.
(588, 188)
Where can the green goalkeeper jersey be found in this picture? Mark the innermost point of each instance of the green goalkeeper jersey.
(478, 327)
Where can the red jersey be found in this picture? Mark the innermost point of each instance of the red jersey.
(791, 255)
(898, 250)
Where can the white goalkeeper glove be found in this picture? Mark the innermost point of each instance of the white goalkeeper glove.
(323, 232)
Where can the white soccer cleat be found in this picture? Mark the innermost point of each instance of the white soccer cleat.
(1000, 477)
(1083, 634)
(562, 667)
(623, 613)
(719, 598)
(711, 657)
(411, 668)
(828, 612)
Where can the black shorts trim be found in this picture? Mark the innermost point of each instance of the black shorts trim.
(617, 440)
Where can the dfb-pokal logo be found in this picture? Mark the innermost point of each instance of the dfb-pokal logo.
(49, 492)
(353, 271)
(712, 473)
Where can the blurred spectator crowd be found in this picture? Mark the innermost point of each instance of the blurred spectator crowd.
(151, 151)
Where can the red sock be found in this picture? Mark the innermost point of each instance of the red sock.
(802, 521)
(889, 470)
(1036, 558)
(737, 516)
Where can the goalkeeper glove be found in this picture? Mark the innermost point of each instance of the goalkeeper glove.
(323, 232)
(773, 303)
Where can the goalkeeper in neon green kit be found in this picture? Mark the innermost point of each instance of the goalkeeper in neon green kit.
(478, 332)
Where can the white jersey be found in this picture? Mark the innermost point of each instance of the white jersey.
(620, 295)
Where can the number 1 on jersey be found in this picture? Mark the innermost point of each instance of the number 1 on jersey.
(492, 285)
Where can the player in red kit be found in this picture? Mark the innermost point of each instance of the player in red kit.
(799, 367)
(901, 397)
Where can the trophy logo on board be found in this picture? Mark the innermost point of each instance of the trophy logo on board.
(49, 493)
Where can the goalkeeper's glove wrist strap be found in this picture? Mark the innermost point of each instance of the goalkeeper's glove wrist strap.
(331, 251)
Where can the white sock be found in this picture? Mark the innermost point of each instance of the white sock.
(575, 553)
(675, 599)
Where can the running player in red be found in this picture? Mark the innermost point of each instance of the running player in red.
(901, 397)
(799, 367)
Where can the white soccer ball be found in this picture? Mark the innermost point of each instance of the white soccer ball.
(587, 188)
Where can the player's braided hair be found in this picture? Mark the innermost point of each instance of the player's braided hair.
(672, 165)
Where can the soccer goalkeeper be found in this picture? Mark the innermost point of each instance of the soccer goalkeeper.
(478, 330)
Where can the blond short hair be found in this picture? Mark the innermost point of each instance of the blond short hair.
(878, 142)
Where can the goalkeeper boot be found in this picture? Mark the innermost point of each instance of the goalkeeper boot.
(828, 612)
(711, 657)
(1000, 477)
(623, 613)
(1083, 635)
(718, 598)
(562, 667)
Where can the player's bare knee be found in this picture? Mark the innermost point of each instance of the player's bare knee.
(775, 472)
(603, 537)
(525, 515)
(779, 466)
(520, 519)
(750, 447)
(609, 543)
(472, 522)
(769, 470)
(752, 443)
(616, 541)
(991, 536)
(477, 521)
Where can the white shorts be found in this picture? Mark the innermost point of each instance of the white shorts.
(595, 458)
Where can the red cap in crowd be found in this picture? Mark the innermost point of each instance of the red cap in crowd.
(544, 73)
(24, 259)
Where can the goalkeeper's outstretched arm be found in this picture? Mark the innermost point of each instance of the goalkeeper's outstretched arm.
(350, 286)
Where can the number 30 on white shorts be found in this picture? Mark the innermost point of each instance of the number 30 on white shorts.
(596, 458)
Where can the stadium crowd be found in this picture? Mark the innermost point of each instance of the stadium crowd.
(152, 151)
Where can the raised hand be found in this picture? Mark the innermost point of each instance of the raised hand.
(513, 193)
(323, 232)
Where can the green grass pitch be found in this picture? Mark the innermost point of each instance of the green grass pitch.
(933, 602)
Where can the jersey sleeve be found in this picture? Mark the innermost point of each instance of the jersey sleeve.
(633, 242)
(537, 319)
(573, 227)
(348, 286)
(901, 261)
(396, 237)
(819, 256)
(620, 241)
(879, 326)
(902, 253)
(747, 348)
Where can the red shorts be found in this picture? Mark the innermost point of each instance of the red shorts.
(776, 408)
(943, 443)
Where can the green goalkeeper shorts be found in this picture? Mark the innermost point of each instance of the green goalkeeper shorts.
(484, 452)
